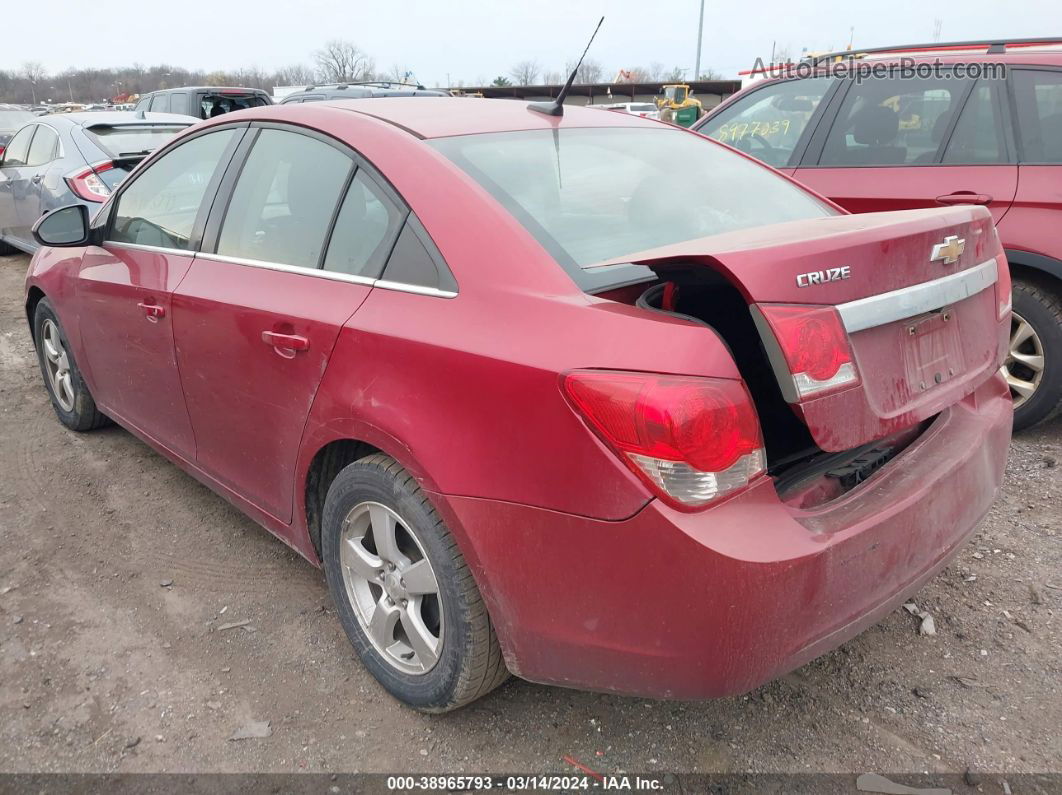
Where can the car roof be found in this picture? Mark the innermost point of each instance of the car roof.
(244, 89)
(436, 117)
(120, 118)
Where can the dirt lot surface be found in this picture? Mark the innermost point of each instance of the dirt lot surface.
(118, 574)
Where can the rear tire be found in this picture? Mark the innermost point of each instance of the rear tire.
(433, 646)
(1037, 393)
(67, 390)
(7, 250)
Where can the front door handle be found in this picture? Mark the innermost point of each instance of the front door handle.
(37, 179)
(964, 197)
(152, 311)
(287, 345)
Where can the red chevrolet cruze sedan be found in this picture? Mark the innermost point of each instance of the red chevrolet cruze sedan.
(536, 400)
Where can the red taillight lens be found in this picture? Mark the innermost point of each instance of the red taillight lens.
(2, 147)
(692, 440)
(815, 346)
(87, 184)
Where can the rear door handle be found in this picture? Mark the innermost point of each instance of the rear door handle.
(152, 311)
(285, 344)
(964, 197)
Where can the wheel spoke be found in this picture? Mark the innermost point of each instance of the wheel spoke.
(1032, 361)
(51, 348)
(358, 560)
(421, 640)
(419, 579)
(67, 389)
(1020, 335)
(382, 624)
(383, 533)
(1022, 387)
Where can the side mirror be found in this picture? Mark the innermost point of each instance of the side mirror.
(65, 227)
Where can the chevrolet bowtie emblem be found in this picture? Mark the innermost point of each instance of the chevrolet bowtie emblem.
(949, 251)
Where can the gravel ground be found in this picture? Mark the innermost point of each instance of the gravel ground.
(119, 574)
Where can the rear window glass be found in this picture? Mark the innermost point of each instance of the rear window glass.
(642, 108)
(595, 195)
(212, 105)
(133, 139)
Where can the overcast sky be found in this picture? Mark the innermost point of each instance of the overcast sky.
(472, 40)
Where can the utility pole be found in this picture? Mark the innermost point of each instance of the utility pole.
(700, 31)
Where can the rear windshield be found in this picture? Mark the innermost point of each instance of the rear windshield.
(128, 140)
(13, 119)
(212, 105)
(597, 194)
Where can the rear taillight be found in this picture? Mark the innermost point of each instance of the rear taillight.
(815, 346)
(692, 440)
(1003, 291)
(87, 184)
(2, 147)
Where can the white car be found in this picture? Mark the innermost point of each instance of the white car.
(647, 110)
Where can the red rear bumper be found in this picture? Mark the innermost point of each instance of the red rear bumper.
(675, 605)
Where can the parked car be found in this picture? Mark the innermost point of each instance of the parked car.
(893, 142)
(532, 403)
(11, 118)
(73, 158)
(203, 102)
(358, 91)
(646, 110)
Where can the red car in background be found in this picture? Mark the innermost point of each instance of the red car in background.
(982, 135)
(534, 405)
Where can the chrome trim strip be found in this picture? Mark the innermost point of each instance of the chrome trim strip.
(877, 310)
(154, 249)
(416, 289)
(276, 266)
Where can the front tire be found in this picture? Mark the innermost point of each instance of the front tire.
(69, 394)
(403, 592)
(1034, 361)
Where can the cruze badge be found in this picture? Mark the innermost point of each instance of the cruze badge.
(949, 251)
(821, 277)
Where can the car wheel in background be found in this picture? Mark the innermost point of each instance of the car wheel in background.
(70, 396)
(403, 591)
(6, 250)
(1034, 361)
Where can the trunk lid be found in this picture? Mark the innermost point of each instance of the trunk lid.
(917, 296)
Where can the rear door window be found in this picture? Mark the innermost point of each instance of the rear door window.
(769, 122)
(160, 103)
(179, 102)
(42, 150)
(978, 135)
(283, 204)
(1039, 101)
(17, 150)
(365, 230)
(893, 121)
(161, 206)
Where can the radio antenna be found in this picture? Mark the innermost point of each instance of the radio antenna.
(556, 107)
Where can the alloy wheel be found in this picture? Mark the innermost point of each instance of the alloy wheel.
(57, 366)
(392, 587)
(1025, 360)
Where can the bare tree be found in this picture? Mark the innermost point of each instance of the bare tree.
(553, 77)
(34, 72)
(342, 61)
(525, 73)
(398, 74)
(590, 71)
(710, 74)
(295, 75)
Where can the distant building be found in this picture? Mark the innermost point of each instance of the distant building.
(709, 92)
